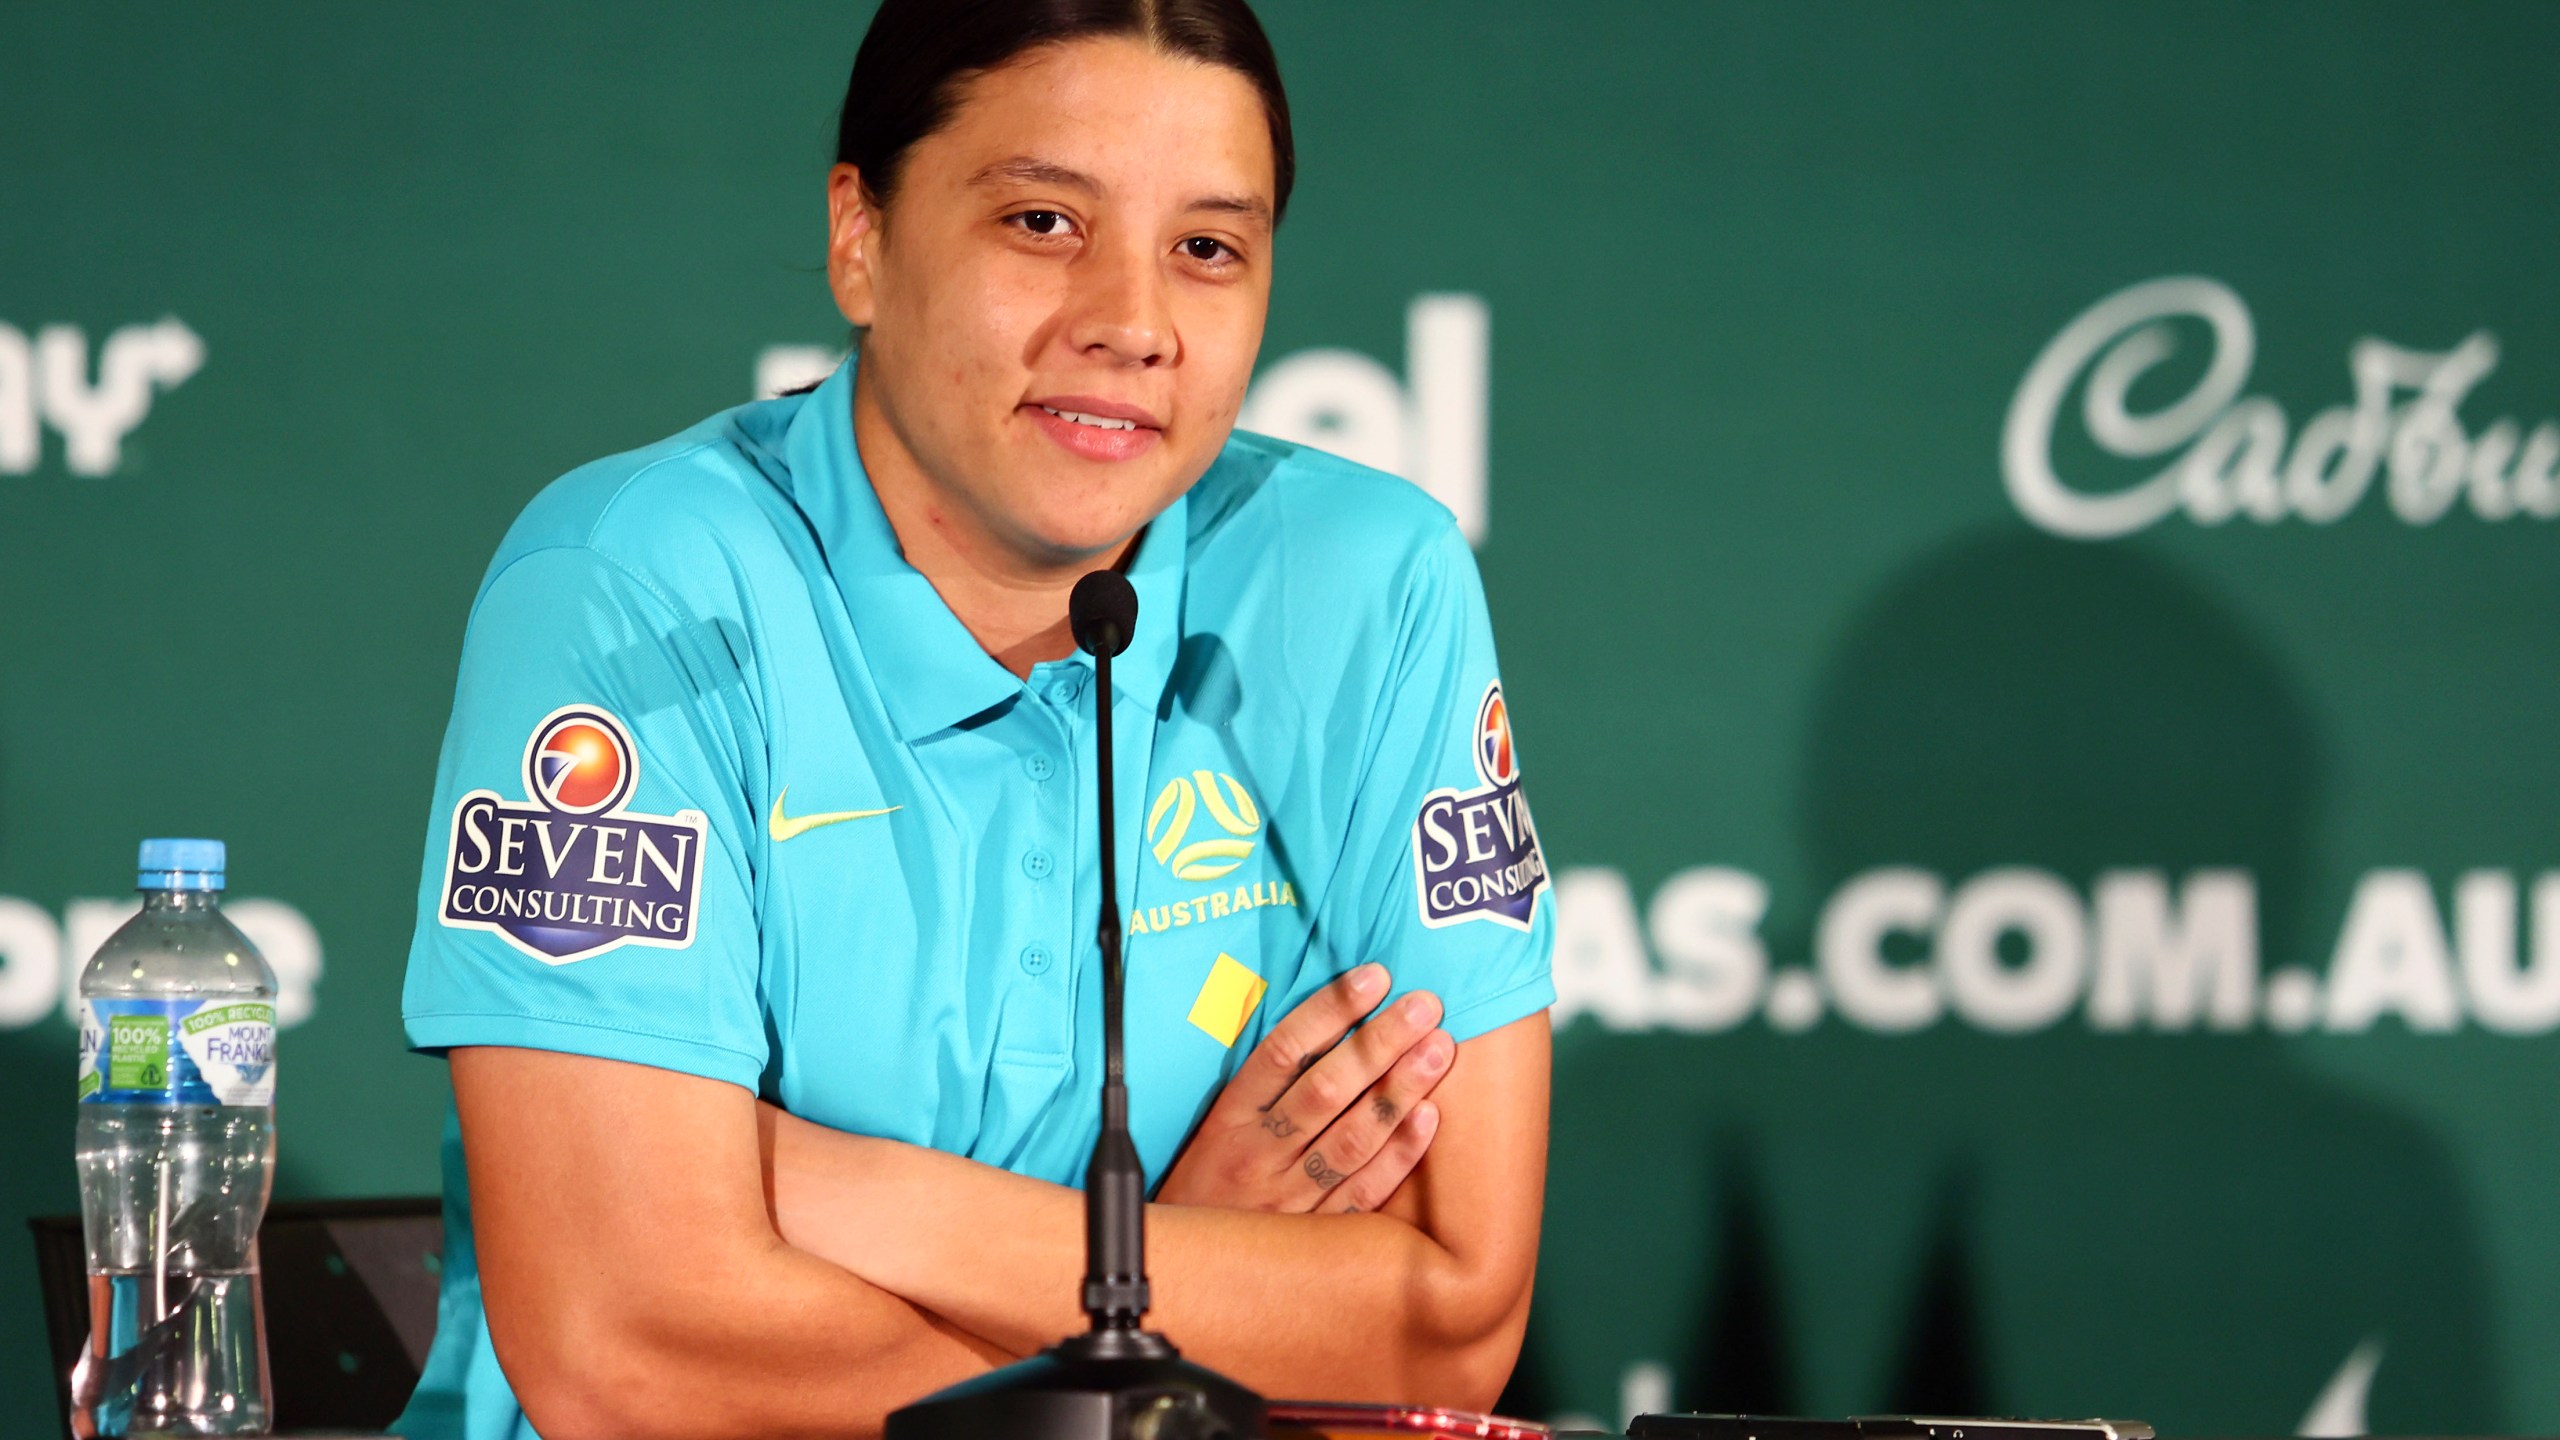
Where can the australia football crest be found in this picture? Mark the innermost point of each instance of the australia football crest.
(567, 872)
(1475, 852)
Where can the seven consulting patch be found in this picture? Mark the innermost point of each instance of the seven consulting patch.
(1475, 852)
(568, 873)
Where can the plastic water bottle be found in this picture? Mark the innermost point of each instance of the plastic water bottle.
(177, 1132)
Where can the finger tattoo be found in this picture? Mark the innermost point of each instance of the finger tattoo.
(1321, 1173)
(1280, 1126)
(1384, 1108)
(1305, 1064)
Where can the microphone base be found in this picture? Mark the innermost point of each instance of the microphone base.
(1106, 1385)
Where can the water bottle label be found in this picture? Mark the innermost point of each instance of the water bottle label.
(177, 1052)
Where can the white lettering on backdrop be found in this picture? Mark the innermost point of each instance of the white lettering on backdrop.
(2231, 455)
(40, 961)
(1431, 428)
(1898, 949)
(46, 382)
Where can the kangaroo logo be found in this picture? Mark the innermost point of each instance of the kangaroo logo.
(1169, 824)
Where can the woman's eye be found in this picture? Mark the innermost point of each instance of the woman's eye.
(1043, 222)
(1207, 251)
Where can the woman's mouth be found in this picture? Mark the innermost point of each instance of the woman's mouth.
(1099, 422)
(1093, 431)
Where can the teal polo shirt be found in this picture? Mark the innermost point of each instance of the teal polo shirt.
(728, 790)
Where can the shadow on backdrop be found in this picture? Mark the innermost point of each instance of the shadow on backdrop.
(1941, 1368)
(37, 1068)
(1738, 1362)
(2187, 1228)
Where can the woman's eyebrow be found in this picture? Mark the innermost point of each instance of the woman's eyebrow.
(1251, 207)
(1032, 170)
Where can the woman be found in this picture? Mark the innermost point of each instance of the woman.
(759, 902)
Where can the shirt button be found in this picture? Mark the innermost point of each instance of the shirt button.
(1035, 959)
(1065, 691)
(1035, 863)
(1040, 766)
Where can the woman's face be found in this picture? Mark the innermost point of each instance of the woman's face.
(1064, 297)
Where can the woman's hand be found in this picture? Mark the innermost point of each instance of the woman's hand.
(1311, 1125)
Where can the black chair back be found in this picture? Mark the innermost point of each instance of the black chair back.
(350, 1290)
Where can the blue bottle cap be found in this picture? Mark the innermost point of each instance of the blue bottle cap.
(181, 865)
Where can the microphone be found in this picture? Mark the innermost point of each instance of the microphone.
(1118, 1380)
(1102, 613)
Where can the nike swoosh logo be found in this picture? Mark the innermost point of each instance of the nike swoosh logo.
(785, 827)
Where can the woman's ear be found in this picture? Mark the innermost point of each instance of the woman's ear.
(853, 233)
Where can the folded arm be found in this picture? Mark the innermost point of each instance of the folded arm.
(1424, 1301)
(634, 1282)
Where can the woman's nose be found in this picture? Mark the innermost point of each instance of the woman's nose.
(1121, 316)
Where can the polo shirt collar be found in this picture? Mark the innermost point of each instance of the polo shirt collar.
(929, 670)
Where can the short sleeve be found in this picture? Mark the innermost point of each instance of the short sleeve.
(589, 874)
(1449, 882)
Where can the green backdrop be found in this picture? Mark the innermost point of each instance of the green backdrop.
(2050, 772)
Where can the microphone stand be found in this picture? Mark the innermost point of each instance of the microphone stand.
(1118, 1380)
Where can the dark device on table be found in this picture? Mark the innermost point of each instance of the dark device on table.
(1118, 1380)
(1877, 1427)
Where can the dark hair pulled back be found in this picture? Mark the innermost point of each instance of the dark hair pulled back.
(918, 54)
